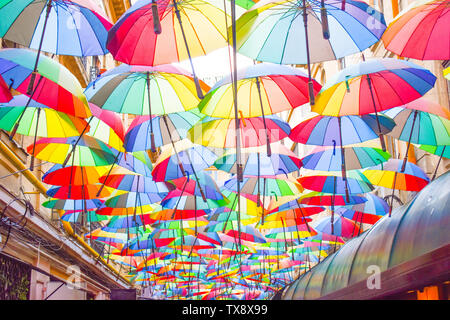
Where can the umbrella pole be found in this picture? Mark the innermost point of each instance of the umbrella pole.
(409, 142)
(439, 162)
(34, 73)
(310, 83)
(258, 85)
(343, 168)
(393, 192)
(16, 126)
(173, 146)
(76, 143)
(324, 18)
(236, 116)
(264, 200)
(107, 176)
(332, 204)
(155, 16)
(196, 177)
(34, 141)
(152, 135)
(197, 83)
(380, 135)
(258, 200)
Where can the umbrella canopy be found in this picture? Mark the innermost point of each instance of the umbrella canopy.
(38, 120)
(5, 93)
(75, 28)
(85, 191)
(106, 126)
(324, 199)
(390, 175)
(247, 233)
(72, 204)
(193, 158)
(260, 164)
(177, 200)
(192, 186)
(420, 127)
(420, 31)
(134, 199)
(176, 129)
(221, 133)
(127, 89)
(263, 89)
(133, 39)
(73, 175)
(55, 85)
(266, 186)
(78, 217)
(134, 183)
(358, 216)
(326, 131)
(340, 226)
(373, 85)
(437, 150)
(355, 158)
(274, 31)
(88, 152)
(356, 183)
(374, 205)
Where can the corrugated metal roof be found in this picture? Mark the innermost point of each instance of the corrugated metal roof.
(414, 229)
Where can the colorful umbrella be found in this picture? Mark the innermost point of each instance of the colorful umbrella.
(420, 31)
(324, 199)
(263, 89)
(221, 133)
(168, 128)
(372, 86)
(355, 158)
(200, 28)
(38, 120)
(76, 28)
(356, 183)
(141, 90)
(55, 86)
(270, 187)
(177, 200)
(72, 205)
(326, 131)
(89, 151)
(390, 175)
(397, 175)
(106, 126)
(255, 163)
(341, 227)
(192, 159)
(85, 191)
(290, 32)
(134, 199)
(134, 183)
(421, 122)
(205, 184)
(441, 151)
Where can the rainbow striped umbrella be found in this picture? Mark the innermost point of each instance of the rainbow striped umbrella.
(75, 28)
(420, 31)
(355, 158)
(38, 120)
(168, 128)
(55, 86)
